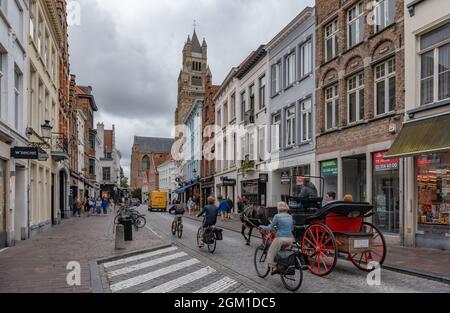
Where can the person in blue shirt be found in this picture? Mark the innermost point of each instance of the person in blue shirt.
(223, 208)
(284, 225)
(210, 212)
(105, 205)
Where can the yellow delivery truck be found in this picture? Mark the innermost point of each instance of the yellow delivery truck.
(158, 201)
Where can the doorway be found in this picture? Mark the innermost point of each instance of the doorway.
(355, 177)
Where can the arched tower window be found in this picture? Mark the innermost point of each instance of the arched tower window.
(145, 163)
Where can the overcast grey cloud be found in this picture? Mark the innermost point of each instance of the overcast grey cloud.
(130, 53)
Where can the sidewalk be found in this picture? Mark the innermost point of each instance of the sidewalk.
(39, 264)
(419, 261)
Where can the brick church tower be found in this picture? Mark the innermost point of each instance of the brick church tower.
(193, 76)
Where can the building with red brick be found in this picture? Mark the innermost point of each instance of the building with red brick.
(360, 102)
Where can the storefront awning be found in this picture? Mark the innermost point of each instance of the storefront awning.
(185, 188)
(425, 136)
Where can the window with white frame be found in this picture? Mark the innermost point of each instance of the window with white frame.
(306, 58)
(233, 107)
(435, 65)
(262, 92)
(290, 126)
(355, 25)
(275, 132)
(290, 69)
(225, 114)
(385, 87)
(331, 107)
(276, 78)
(243, 104)
(384, 13)
(17, 98)
(262, 143)
(252, 97)
(355, 98)
(306, 114)
(331, 40)
(219, 118)
(251, 146)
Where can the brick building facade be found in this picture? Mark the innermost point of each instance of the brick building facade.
(360, 101)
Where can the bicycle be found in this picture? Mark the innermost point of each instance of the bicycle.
(177, 227)
(289, 274)
(137, 219)
(210, 237)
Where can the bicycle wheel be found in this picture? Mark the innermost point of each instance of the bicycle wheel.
(212, 244)
(199, 237)
(293, 278)
(140, 221)
(180, 230)
(174, 228)
(260, 262)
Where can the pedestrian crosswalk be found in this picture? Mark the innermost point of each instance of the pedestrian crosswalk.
(164, 271)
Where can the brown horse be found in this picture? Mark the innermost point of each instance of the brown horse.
(253, 217)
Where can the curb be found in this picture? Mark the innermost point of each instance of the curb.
(97, 285)
(429, 276)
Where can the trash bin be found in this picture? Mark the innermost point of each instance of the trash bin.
(128, 228)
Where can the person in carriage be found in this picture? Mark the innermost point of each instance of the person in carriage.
(284, 225)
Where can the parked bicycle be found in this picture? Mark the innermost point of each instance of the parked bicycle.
(138, 220)
(289, 262)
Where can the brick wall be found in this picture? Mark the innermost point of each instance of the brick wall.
(362, 58)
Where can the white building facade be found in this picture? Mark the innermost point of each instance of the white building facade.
(168, 173)
(424, 142)
(14, 173)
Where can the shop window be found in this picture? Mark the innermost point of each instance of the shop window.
(329, 172)
(433, 183)
(297, 174)
(386, 193)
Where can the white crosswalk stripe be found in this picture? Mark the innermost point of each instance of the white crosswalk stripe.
(139, 257)
(182, 281)
(138, 280)
(218, 286)
(141, 266)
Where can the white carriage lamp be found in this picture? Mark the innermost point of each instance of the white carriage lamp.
(46, 130)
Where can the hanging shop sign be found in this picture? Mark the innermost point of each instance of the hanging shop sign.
(228, 182)
(263, 178)
(29, 153)
(382, 165)
(329, 168)
(285, 178)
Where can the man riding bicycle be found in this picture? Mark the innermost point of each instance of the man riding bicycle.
(178, 210)
(210, 211)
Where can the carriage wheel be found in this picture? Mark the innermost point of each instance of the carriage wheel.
(319, 245)
(377, 253)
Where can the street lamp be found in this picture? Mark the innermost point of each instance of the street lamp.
(46, 130)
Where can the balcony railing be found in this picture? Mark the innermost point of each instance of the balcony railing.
(60, 147)
(249, 117)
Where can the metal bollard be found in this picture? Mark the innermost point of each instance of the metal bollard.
(120, 237)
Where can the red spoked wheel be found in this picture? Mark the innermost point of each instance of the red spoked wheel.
(319, 245)
(377, 253)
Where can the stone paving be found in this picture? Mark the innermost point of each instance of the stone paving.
(39, 264)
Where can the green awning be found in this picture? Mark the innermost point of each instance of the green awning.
(430, 135)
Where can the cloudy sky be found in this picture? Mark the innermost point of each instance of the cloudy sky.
(130, 52)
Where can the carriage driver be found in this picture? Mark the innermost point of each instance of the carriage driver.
(284, 225)
(309, 190)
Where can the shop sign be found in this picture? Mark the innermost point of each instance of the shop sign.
(228, 182)
(29, 153)
(423, 162)
(385, 165)
(285, 178)
(329, 168)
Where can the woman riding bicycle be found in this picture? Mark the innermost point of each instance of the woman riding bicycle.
(178, 210)
(284, 224)
(210, 211)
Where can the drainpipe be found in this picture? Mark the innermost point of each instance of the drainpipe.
(28, 200)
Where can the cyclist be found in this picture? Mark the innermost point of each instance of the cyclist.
(284, 224)
(178, 210)
(210, 211)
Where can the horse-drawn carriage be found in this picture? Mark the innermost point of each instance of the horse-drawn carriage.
(325, 231)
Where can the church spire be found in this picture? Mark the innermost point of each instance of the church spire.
(196, 44)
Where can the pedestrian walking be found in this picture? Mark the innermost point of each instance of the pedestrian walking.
(230, 208)
(105, 205)
(77, 208)
(190, 205)
(223, 208)
(98, 205)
